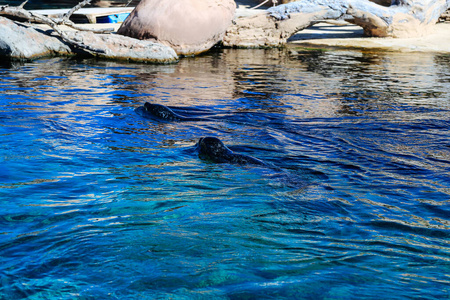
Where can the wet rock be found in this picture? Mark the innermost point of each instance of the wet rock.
(22, 42)
(188, 26)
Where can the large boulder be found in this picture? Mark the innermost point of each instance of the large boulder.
(188, 26)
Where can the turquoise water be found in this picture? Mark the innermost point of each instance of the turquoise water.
(99, 201)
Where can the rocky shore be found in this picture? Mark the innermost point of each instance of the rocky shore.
(25, 41)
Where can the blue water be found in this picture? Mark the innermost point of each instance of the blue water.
(99, 201)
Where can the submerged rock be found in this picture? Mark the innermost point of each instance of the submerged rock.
(188, 26)
(25, 42)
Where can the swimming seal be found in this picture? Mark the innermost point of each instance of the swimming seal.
(163, 112)
(213, 149)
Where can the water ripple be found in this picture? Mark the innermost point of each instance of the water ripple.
(99, 201)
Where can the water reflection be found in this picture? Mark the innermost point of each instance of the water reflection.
(335, 83)
(315, 84)
(379, 82)
(442, 62)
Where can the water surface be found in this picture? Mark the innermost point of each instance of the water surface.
(102, 202)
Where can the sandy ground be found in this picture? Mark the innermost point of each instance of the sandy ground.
(351, 36)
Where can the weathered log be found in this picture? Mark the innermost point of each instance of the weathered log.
(405, 18)
(20, 12)
(117, 47)
(267, 30)
(23, 41)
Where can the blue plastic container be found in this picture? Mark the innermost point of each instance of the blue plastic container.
(115, 18)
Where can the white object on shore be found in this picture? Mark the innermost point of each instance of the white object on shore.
(91, 14)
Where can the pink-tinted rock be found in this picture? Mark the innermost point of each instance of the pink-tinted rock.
(188, 26)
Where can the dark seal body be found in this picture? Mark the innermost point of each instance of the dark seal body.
(213, 149)
(163, 112)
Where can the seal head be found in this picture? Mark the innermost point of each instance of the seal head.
(213, 149)
(164, 113)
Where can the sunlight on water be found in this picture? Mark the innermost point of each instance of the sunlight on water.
(101, 200)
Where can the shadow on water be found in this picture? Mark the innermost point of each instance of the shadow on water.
(356, 205)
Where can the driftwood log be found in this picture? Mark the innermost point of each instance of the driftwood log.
(403, 18)
(94, 42)
(273, 27)
(54, 23)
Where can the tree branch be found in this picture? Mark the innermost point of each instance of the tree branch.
(75, 8)
(23, 4)
(65, 20)
(18, 11)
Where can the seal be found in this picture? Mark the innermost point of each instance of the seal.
(213, 149)
(163, 112)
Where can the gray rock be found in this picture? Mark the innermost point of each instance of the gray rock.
(23, 42)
